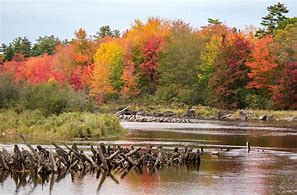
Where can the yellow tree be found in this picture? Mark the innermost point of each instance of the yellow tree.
(208, 58)
(108, 69)
(140, 32)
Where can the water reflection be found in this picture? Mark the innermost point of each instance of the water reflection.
(232, 172)
(272, 171)
(33, 182)
(32, 179)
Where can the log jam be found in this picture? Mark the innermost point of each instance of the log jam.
(100, 159)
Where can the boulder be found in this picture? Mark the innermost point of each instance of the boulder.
(242, 115)
(191, 113)
(262, 117)
(269, 118)
(243, 118)
(224, 115)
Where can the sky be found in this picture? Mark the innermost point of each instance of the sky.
(34, 18)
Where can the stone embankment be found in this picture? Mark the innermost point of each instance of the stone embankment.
(190, 116)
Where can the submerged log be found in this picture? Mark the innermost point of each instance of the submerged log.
(102, 158)
(53, 163)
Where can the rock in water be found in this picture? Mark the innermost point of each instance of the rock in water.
(242, 115)
(190, 113)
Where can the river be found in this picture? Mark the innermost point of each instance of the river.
(269, 168)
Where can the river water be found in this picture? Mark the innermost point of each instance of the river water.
(269, 168)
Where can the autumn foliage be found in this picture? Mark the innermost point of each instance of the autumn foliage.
(231, 73)
(214, 65)
(262, 64)
(150, 51)
(285, 94)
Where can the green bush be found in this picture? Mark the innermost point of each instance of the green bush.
(49, 98)
(178, 94)
(167, 93)
(256, 101)
(111, 96)
(188, 96)
(9, 91)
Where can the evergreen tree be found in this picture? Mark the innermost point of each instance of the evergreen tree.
(44, 45)
(270, 22)
(20, 46)
(214, 21)
(105, 31)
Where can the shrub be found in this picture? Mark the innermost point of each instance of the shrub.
(167, 93)
(258, 100)
(49, 98)
(9, 91)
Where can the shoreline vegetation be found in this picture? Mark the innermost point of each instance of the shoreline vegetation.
(104, 121)
(55, 111)
(63, 126)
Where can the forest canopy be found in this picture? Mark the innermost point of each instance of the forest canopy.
(171, 61)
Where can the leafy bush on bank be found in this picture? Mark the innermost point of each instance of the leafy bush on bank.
(65, 125)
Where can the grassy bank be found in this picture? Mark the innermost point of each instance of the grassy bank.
(65, 125)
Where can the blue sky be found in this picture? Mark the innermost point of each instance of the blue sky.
(33, 18)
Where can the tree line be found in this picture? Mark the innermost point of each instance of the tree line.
(169, 61)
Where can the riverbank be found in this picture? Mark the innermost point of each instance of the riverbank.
(105, 122)
(184, 113)
(65, 126)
